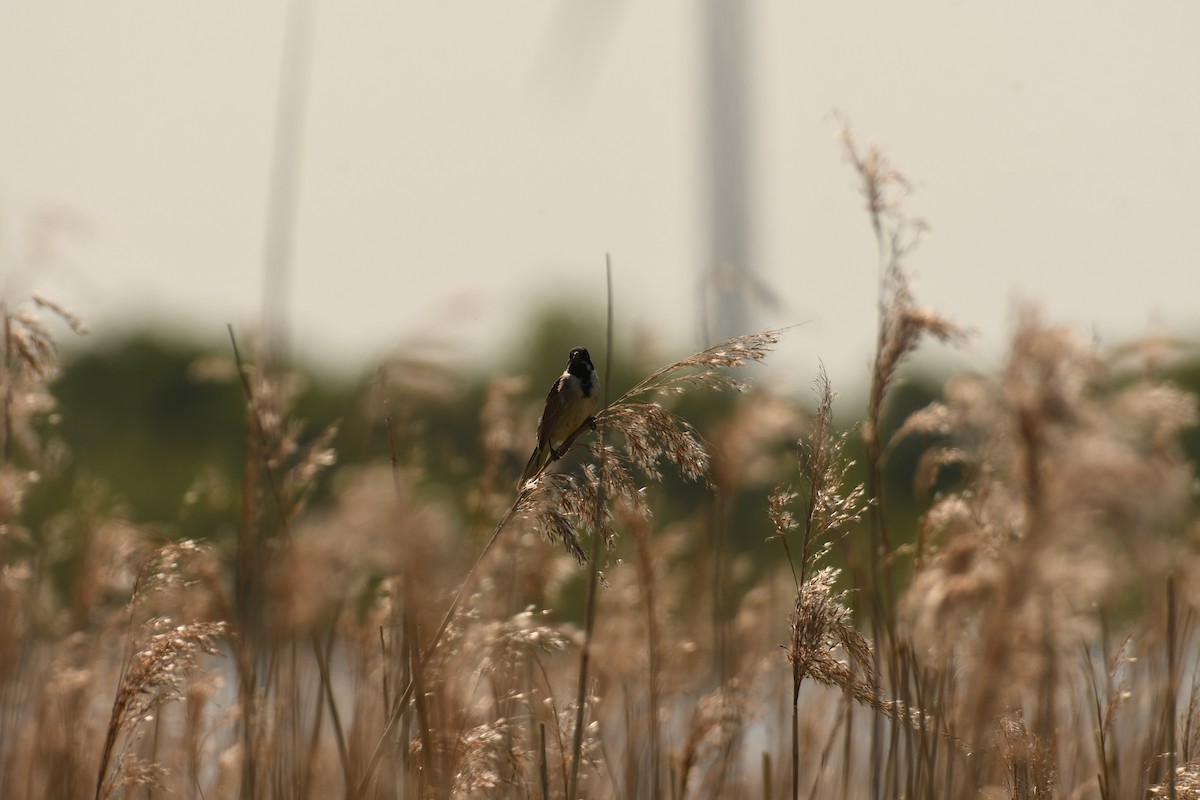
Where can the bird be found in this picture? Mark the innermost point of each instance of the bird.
(570, 404)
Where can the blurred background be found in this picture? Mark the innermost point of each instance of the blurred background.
(403, 213)
(357, 179)
(373, 173)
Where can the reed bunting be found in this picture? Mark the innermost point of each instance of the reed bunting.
(570, 403)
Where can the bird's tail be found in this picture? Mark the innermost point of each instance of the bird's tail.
(539, 457)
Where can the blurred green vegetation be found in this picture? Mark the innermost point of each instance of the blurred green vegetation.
(154, 433)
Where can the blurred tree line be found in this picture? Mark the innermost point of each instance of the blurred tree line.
(155, 429)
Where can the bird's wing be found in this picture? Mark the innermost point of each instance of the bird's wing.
(555, 401)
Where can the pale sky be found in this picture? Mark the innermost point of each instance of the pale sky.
(462, 161)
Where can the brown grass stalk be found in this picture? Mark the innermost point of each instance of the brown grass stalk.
(589, 613)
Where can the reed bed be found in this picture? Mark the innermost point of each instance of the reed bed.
(1031, 635)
